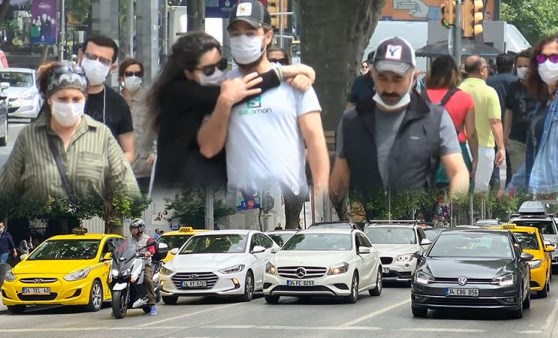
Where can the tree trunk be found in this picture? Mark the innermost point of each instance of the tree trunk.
(4, 7)
(44, 54)
(334, 35)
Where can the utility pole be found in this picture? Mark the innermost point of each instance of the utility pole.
(165, 33)
(62, 47)
(457, 34)
(196, 15)
(131, 20)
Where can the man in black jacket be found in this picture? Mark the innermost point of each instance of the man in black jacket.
(395, 140)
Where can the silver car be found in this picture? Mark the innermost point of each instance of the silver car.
(23, 93)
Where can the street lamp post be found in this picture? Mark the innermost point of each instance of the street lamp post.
(62, 47)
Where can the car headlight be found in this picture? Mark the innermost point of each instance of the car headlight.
(338, 269)
(505, 280)
(270, 269)
(232, 269)
(535, 263)
(27, 96)
(81, 274)
(165, 272)
(404, 258)
(423, 278)
(9, 276)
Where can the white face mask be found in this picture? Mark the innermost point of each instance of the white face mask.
(95, 71)
(522, 72)
(246, 49)
(132, 83)
(214, 79)
(397, 106)
(67, 114)
(1, 230)
(549, 72)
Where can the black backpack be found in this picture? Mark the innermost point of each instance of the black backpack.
(443, 101)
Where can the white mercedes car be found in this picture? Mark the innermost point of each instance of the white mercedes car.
(218, 263)
(397, 244)
(24, 97)
(324, 262)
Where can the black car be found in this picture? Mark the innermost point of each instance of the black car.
(472, 269)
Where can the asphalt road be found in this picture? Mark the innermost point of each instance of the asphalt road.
(14, 127)
(387, 315)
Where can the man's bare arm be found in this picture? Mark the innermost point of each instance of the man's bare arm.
(126, 142)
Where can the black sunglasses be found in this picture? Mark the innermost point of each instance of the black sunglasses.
(136, 74)
(282, 61)
(208, 70)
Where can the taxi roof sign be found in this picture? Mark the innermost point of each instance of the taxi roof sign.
(79, 231)
(509, 226)
(186, 229)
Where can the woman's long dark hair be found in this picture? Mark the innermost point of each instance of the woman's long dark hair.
(443, 74)
(535, 84)
(186, 54)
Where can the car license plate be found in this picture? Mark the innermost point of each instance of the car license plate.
(194, 284)
(462, 292)
(300, 283)
(35, 291)
(385, 270)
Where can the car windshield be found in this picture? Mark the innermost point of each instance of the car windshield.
(332, 225)
(280, 239)
(527, 240)
(471, 245)
(544, 226)
(17, 79)
(66, 249)
(318, 242)
(431, 234)
(387, 235)
(173, 241)
(215, 244)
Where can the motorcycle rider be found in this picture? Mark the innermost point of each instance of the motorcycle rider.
(137, 230)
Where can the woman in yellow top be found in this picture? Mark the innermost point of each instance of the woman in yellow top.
(65, 152)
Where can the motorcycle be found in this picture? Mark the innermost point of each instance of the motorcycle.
(126, 278)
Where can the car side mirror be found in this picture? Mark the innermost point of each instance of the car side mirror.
(274, 250)
(526, 257)
(258, 249)
(425, 242)
(417, 255)
(23, 257)
(174, 251)
(549, 248)
(107, 256)
(363, 250)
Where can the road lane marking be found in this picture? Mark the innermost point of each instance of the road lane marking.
(84, 329)
(375, 313)
(440, 329)
(189, 314)
(296, 328)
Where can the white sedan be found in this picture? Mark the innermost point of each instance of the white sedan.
(324, 262)
(24, 98)
(218, 263)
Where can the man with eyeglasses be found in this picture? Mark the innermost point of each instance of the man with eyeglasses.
(488, 120)
(97, 58)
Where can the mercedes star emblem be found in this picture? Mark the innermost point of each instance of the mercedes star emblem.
(300, 272)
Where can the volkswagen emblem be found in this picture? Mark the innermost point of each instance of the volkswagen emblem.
(300, 272)
(462, 280)
(37, 280)
(193, 277)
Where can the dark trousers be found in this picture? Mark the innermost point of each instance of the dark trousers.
(293, 207)
(148, 281)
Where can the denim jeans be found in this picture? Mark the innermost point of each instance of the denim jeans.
(4, 257)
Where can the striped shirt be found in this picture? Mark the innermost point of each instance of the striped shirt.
(94, 163)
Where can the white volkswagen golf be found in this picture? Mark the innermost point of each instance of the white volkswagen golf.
(324, 262)
(217, 263)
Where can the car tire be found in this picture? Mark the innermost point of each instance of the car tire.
(544, 292)
(248, 287)
(378, 289)
(272, 299)
(95, 297)
(353, 298)
(170, 300)
(554, 269)
(16, 309)
(527, 302)
(420, 312)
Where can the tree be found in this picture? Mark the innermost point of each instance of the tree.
(534, 18)
(189, 207)
(334, 35)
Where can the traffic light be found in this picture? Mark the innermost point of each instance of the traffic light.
(448, 13)
(472, 18)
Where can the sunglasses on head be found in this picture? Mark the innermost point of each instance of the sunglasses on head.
(541, 58)
(102, 60)
(64, 69)
(208, 70)
(282, 61)
(136, 74)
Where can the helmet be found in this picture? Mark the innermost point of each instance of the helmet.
(138, 223)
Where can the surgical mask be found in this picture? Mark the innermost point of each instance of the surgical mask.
(549, 72)
(67, 114)
(1, 230)
(95, 71)
(132, 83)
(214, 79)
(402, 103)
(246, 49)
(522, 72)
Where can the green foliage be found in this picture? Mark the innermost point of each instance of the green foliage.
(534, 18)
(78, 9)
(189, 207)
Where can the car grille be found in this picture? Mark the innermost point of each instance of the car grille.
(317, 288)
(463, 302)
(386, 260)
(52, 296)
(38, 280)
(301, 272)
(209, 277)
(469, 280)
(397, 274)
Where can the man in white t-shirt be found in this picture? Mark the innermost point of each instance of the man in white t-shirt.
(265, 137)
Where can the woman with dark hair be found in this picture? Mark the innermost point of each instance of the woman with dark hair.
(441, 88)
(278, 55)
(130, 75)
(541, 159)
(187, 91)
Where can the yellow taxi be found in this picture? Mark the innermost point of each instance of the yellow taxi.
(175, 239)
(63, 270)
(532, 242)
